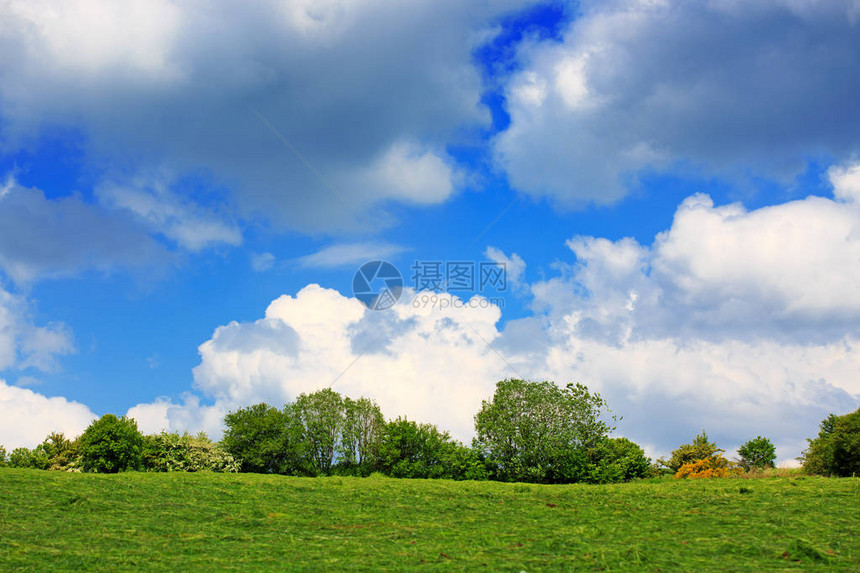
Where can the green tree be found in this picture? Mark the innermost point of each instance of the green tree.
(263, 439)
(321, 415)
(836, 450)
(363, 426)
(700, 449)
(2, 456)
(412, 450)
(111, 445)
(758, 453)
(616, 460)
(537, 431)
(26, 458)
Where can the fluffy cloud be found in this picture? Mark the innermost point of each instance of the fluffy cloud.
(736, 346)
(728, 87)
(26, 418)
(401, 357)
(367, 93)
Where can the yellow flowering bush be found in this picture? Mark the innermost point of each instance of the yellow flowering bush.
(715, 466)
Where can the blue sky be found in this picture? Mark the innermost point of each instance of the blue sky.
(678, 185)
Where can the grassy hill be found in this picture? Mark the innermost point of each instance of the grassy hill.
(58, 521)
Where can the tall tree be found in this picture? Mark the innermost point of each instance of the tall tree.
(258, 437)
(321, 415)
(537, 431)
(363, 425)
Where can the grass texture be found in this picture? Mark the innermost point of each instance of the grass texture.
(55, 521)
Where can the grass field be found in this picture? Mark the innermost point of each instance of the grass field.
(58, 521)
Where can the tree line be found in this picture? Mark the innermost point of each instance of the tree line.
(528, 431)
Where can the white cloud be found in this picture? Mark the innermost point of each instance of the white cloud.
(26, 417)
(368, 92)
(167, 211)
(515, 266)
(23, 344)
(411, 174)
(846, 181)
(730, 89)
(736, 346)
(349, 255)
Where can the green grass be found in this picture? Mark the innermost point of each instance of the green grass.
(57, 521)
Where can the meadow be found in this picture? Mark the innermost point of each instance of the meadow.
(176, 521)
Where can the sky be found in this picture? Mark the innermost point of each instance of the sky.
(671, 189)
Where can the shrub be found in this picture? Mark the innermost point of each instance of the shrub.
(111, 445)
(715, 466)
(836, 450)
(758, 453)
(701, 448)
(170, 452)
(26, 458)
(61, 453)
(616, 460)
(2, 456)
(263, 439)
(411, 450)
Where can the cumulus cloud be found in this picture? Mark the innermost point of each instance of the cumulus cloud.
(678, 335)
(26, 417)
(369, 93)
(42, 237)
(729, 88)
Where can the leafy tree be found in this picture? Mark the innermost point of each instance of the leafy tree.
(615, 460)
(536, 431)
(263, 439)
(702, 448)
(321, 415)
(2, 456)
(412, 450)
(111, 445)
(26, 458)
(836, 450)
(363, 426)
(758, 453)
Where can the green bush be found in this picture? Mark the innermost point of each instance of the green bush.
(26, 458)
(701, 449)
(263, 439)
(836, 450)
(412, 450)
(2, 456)
(616, 460)
(758, 453)
(172, 452)
(111, 445)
